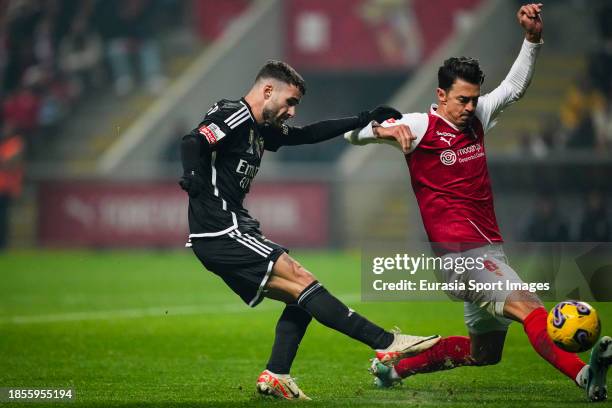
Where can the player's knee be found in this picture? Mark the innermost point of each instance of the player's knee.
(530, 307)
(520, 304)
(301, 274)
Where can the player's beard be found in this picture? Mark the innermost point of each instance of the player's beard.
(466, 120)
(270, 117)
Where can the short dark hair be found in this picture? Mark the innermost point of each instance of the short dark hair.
(283, 72)
(464, 68)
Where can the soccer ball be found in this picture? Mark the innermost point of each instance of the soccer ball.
(574, 326)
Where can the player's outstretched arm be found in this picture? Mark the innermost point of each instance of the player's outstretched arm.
(326, 129)
(519, 77)
(403, 134)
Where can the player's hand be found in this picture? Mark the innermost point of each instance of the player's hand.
(379, 115)
(400, 133)
(530, 18)
(191, 183)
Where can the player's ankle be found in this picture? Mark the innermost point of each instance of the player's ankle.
(394, 375)
(582, 378)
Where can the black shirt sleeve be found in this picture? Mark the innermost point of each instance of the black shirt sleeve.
(213, 131)
(192, 147)
(275, 137)
(210, 134)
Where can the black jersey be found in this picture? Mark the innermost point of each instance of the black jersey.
(228, 167)
(233, 148)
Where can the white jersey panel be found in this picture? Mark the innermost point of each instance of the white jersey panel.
(417, 122)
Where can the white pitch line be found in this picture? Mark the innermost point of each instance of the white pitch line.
(169, 311)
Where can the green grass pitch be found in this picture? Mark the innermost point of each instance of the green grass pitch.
(145, 329)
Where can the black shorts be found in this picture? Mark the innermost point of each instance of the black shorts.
(242, 258)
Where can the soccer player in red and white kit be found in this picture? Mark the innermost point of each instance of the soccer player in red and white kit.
(445, 153)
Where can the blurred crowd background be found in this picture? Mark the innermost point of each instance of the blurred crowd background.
(584, 119)
(95, 95)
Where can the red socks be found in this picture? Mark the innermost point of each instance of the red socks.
(454, 351)
(535, 327)
(449, 352)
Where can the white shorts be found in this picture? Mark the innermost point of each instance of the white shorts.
(483, 309)
(479, 320)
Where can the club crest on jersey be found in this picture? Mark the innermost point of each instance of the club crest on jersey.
(446, 137)
(448, 157)
(212, 133)
(255, 144)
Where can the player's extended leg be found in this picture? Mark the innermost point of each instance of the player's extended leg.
(448, 353)
(521, 306)
(483, 347)
(526, 308)
(290, 282)
(290, 330)
(305, 297)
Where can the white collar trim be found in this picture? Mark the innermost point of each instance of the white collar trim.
(433, 110)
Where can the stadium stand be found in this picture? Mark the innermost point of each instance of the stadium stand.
(60, 57)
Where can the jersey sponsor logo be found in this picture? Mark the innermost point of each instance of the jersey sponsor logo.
(446, 137)
(470, 149)
(212, 133)
(448, 157)
(472, 152)
(248, 170)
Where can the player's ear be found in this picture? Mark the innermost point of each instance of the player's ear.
(442, 95)
(267, 91)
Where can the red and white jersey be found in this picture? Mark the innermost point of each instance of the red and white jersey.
(451, 182)
(448, 166)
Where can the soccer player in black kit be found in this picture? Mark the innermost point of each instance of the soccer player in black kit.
(220, 158)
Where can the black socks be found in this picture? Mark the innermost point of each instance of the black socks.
(331, 312)
(290, 329)
(315, 301)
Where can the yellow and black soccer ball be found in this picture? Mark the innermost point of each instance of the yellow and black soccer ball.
(574, 326)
